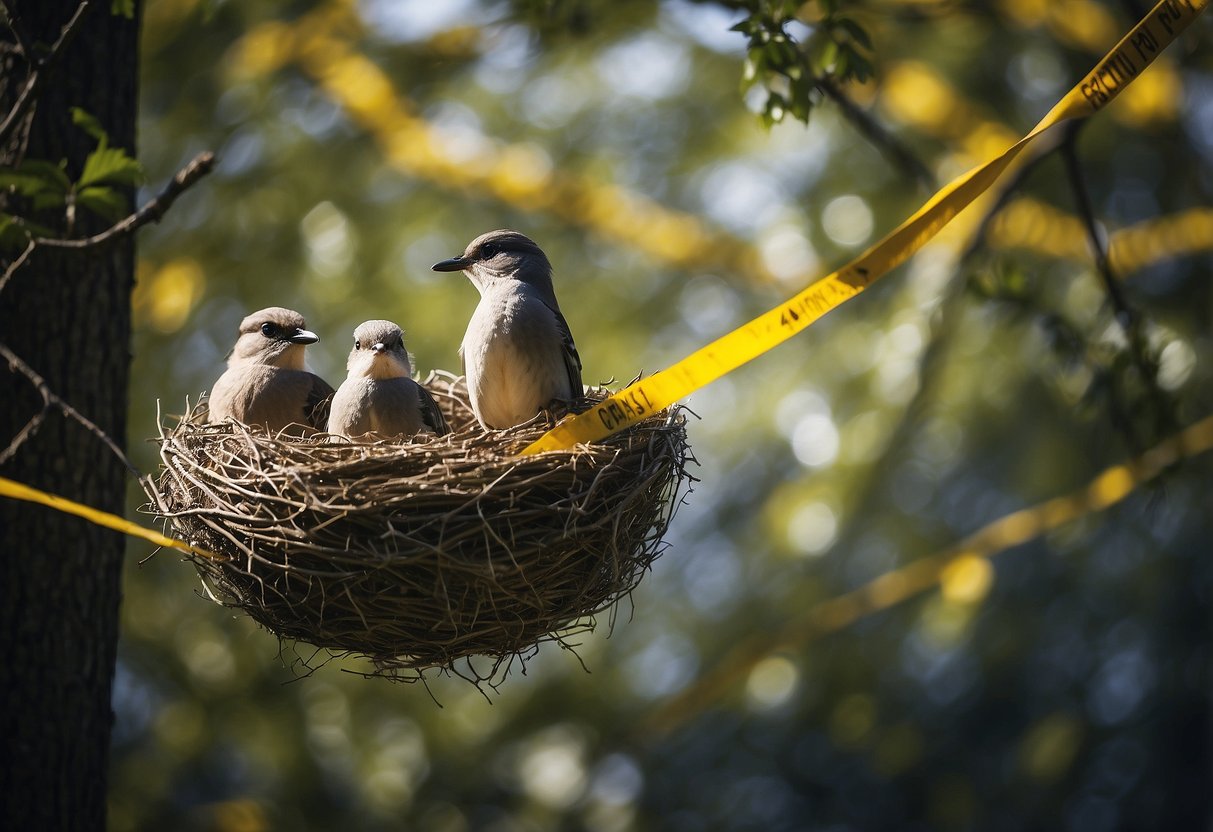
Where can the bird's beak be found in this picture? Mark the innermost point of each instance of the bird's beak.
(455, 264)
(378, 349)
(303, 336)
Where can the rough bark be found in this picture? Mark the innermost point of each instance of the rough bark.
(67, 315)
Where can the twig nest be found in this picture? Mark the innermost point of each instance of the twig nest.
(420, 554)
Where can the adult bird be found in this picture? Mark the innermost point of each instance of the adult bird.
(518, 354)
(379, 398)
(265, 382)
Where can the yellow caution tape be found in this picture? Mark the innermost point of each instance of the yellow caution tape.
(10, 488)
(962, 572)
(1115, 72)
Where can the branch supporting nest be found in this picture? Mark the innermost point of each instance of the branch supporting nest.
(424, 554)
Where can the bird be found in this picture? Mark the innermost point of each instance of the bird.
(265, 382)
(518, 353)
(379, 397)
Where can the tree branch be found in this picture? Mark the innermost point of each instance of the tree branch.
(153, 211)
(884, 141)
(1125, 315)
(17, 26)
(40, 68)
(16, 264)
(51, 399)
(1128, 318)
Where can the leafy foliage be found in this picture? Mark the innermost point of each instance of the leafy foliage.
(126, 8)
(46, 187)
(837, 49)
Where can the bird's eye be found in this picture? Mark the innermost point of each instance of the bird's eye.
(357, 344)
(488, 250)
(268, 330)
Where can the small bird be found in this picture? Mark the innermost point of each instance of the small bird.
(379, 397)
(265, 382)
(518, 354)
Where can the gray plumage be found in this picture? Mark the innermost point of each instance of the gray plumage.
(265, 382)
(518, 353)
(379, 398)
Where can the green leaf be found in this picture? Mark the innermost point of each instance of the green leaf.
(827, 56)
(12, 235)
(857, 32)
(861, 67)
(87, 122)
(16, 232)
(110, 166)
(106, 202)
(35, 177)
(47, 200)
(126, 8)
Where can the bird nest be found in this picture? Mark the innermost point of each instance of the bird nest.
(422, 554)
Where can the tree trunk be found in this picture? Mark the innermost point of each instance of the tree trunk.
(68, 316)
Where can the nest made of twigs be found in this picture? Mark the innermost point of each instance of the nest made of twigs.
(422, 553)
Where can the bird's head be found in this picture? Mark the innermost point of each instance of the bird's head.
(273, 336)
(502, 255)
(379, 352)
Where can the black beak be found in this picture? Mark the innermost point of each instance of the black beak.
(455, 264)
(303, 336)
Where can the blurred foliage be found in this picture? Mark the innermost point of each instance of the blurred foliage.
(1064, 685)
(836, 49)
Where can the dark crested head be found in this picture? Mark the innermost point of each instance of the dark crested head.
(382, 334)
(501, 254)
(270, 336)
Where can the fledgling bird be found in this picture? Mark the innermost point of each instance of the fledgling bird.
(265, 382)
(379, 397)
(518, 354)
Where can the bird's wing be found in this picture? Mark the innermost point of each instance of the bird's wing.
(431, 414)
(345, 411)
(317, 401)
(572, 360)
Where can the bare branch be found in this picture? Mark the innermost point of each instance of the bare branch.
(201, 165)
(16, 264)
(51, 399)
(1082, 198)
(1005, 193)
(31, 428)
(17, 26)
(40, 68)
(889, 146)
(1128, 318)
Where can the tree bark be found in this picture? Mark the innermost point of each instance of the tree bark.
(68, 316)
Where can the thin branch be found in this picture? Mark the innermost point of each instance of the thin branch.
(16, 264)
(1082, 197)
(51, 399)
(1128, 318)
(17, 26)
(1005, 192)
(23, 435)
(894, 150)
(40, 69)
(153, 211)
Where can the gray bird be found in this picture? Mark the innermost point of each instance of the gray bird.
(379, 397)
(518, 354)
(265, 382)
